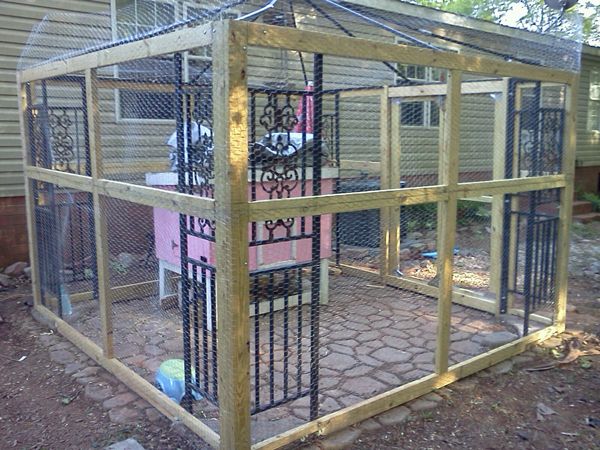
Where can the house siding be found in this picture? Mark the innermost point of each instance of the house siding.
(17, 18)
(588, 142)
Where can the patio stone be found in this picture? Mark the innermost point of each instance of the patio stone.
(340, 440)
(391, 355)
(394, 416)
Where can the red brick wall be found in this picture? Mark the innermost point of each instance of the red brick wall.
(587, 179)
(13, 231)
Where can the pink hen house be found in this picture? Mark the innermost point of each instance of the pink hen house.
(282, 155)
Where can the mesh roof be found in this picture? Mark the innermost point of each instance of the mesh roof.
(61, 35)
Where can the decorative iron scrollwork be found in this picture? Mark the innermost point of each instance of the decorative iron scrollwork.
(541, 146)
(287, 225)
(277, 154)
(202, 165)
(62, 143)
(278, 119)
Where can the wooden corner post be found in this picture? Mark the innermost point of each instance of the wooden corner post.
(25, 92)
(100, 227)
(446, 232)
(566, 205)
(230, 103)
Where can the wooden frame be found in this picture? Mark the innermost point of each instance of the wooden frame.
(233, 212)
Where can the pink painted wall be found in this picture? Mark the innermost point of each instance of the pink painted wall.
(166, 235)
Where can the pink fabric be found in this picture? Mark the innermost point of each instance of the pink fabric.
(305, 118)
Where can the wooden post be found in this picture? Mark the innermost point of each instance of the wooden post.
(448, 173)
(566, 206)
(29, 201)
(514, 205)
(230, 114)
(498, 173)
(394, 174)
(102, 251)
(385, 154)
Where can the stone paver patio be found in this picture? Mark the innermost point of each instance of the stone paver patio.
(372, 338)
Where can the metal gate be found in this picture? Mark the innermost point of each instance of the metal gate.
(64, 220)
(534, 147)
(284, 160)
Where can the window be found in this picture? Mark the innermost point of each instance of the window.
(134, 17)
(594, 102)
(421, 113)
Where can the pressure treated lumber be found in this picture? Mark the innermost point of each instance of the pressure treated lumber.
(565, 216)
(100, 210)
(29, 200)
(144, 195)
(176, 41)
(230, 94)
(271, 36)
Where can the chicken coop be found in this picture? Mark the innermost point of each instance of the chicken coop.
(315, 210)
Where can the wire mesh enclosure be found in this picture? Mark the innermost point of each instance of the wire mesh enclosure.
(278, 220)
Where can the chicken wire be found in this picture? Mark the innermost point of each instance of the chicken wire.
(334, 315)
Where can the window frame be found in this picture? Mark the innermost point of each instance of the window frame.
(428, 76)
(593, 110)
(180, 12)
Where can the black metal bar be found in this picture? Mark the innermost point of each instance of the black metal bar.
(537, 118)
(336, 187)
(535, 284)
(316, 240)
(196, 325)
(204, 309)
(286, 320)
(546, 259)
(303, 163)
(255, 298)
(271, 297)
(528, 280)
(299, 332)
(213, 320)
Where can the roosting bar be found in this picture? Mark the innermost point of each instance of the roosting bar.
(298, 283)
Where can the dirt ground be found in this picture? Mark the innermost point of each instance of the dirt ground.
(41, 407)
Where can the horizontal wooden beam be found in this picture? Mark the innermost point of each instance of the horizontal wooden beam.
(159, 198)
(360, 201)
(535, 317)
(271, 36)
(434, 90)
(131, 379)
(509, 186)
(120, 293)
(336, 203)
(369, 167)
(463, 297)
(357, 93)
(176, 41)
(380, 403)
